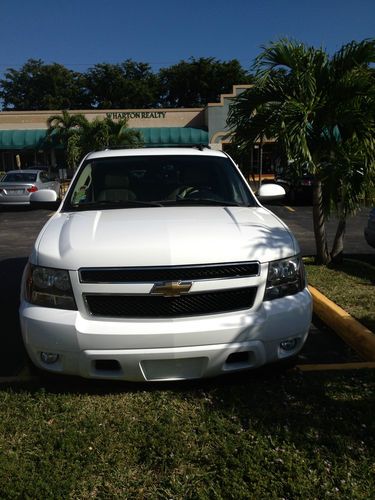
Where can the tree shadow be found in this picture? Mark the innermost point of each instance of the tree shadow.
(12, 353)
(307, 410)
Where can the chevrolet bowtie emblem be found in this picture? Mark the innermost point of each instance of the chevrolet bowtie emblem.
(171, 288)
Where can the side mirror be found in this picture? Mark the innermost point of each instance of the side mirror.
(270, 192)
(45, 198)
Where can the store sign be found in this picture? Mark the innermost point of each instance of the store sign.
(143, 115)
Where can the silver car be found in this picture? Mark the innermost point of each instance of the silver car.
(17, 185)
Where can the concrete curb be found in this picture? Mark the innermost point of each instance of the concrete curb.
(357, 336)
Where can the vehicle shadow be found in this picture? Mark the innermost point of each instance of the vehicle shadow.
(12, 353)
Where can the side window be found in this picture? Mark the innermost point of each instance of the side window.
(43, 177)
(82, 189)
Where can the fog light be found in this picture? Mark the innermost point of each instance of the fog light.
(288, 345)
(49, 357)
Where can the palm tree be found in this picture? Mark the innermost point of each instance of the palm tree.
(63, 128)
(320, 110)
(78, 136)
(118, 134)
(105, 133)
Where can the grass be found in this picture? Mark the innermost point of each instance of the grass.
(349, 284)
(264, 434)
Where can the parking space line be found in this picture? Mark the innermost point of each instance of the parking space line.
(289, 208)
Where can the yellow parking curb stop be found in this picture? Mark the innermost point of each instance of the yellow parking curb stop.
(354, 334)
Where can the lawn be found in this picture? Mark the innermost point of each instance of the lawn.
(349, 284)
(264, 434)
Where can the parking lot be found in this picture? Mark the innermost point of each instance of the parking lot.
(300, 220)
(19, 228)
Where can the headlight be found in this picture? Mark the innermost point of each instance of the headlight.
(285, 277)
(48, 287)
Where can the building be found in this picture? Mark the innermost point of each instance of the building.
(23, 133)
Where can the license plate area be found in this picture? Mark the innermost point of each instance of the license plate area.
(15, 191)
(174, 369)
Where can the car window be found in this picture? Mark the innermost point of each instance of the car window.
(82, 187)
(159, 179)
(44, 177)
(19, 177)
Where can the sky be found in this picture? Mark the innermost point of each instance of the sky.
(81, 33)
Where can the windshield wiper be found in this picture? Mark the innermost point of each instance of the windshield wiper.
(203, 201)
(115, 204)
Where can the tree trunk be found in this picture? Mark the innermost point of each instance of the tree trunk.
(322, 253)
(338, 244)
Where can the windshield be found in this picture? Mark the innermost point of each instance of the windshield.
(136, 181)
(19, 177)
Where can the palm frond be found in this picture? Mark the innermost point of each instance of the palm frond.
(352, 55)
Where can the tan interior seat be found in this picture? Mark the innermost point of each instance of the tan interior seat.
(116, 189)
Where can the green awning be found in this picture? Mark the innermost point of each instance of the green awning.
(173, 136)
(164, 136)
(23, 139)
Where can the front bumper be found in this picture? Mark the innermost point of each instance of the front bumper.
(173, 349)
(14, 203)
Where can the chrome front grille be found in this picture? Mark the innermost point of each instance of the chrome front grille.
(170, 273)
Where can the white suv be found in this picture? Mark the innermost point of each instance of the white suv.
(161, 264)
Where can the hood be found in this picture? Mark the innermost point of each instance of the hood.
(162, 236)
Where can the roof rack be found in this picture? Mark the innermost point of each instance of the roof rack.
(201, 147)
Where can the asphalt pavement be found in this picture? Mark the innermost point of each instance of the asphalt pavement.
(20, 227)
(300, 221)
(18, 230)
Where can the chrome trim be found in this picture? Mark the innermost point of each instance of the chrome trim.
(169, 268)
(171, 288)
